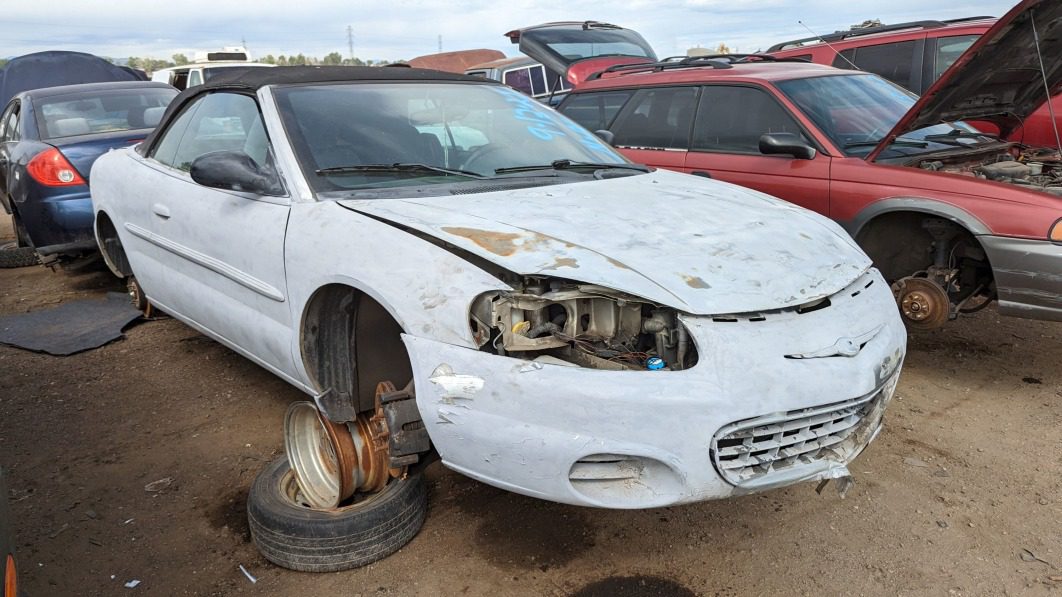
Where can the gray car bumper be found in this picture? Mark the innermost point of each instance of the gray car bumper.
(1028, 276)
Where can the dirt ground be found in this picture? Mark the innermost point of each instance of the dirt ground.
(960, 495)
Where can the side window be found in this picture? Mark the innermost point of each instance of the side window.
(657, 118)
(595, 111)
(948, 51)
(845, 59)
(519, 79)
(732, 119)
(224, 122)
(895, 61)
(214, 122)
(9, 128)
(195, 77)
(538, 80)
(166, 149)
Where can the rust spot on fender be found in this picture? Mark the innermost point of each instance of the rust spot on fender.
(618, 264)
(560, 262)
(499, 243)
(695, 282)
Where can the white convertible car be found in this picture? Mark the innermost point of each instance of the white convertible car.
(450, 268)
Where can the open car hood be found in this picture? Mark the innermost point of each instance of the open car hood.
(701, 247)
(575, 50)
(998, 78)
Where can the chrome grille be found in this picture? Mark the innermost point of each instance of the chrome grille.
(769, 444)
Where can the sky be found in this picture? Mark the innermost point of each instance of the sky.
(406, 29)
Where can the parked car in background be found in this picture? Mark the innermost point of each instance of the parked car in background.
(53, 68)
(952, 217)
(914, 55)
(206, 65)
(539, 312)
(526, 76)
(49, 139)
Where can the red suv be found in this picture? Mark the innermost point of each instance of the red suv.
(914, 55)
(953, 217)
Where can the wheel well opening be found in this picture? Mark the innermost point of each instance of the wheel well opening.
(111, 246)
(901, 243)
(350, 343)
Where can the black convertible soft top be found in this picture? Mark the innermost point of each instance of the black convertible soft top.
(254, 78)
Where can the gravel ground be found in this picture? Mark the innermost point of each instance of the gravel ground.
(958, 495)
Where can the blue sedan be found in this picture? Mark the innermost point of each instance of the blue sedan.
(49, 139)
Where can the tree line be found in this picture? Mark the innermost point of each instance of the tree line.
(334, 58)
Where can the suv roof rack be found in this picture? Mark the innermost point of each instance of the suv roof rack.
(720, 61)
(850, 33)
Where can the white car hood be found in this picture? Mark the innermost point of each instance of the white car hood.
(700, 246)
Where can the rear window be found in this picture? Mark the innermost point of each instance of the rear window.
(894, 61)
(90, 112)
(948, 51)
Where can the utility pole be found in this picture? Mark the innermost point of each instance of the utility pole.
(440, 44)
(243, 42)
(350, 42)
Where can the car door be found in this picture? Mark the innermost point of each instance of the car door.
(9, 134)
(725, 145)
(220, 252)
(654, 126)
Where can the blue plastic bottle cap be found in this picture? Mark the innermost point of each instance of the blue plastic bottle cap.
(655, 363)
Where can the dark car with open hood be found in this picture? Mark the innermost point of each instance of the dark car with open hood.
(954, 218)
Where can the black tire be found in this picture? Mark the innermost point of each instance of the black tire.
(298, 538)
(12, 255)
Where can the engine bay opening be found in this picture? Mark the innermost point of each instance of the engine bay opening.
(562, 322)
(1037, 169)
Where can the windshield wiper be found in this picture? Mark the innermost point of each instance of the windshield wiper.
(901, 142)
(570, 165)
(957, 134)
(398, 167)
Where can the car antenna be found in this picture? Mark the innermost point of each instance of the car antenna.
(1047, 87)
(854, 65)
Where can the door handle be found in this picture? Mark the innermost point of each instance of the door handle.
(701, 173)
(161, 211)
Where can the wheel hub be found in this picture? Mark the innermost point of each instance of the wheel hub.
(333, 461)
(923, 303)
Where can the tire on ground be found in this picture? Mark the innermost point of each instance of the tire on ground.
(12, 255)
(299, 538)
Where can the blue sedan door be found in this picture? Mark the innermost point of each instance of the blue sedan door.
(220, 253)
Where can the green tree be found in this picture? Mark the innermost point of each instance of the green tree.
(180, 60)
(282, 60)
(335, 58)
(299, 59)
(269, 59)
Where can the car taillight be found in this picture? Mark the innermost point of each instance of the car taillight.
(52, 169)
(1055, 233)
(10, 577)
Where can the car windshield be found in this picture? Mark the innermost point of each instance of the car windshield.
(379, 135)
(857, 111)
(89, 112)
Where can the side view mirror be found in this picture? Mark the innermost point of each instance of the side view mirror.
(234, 171)
(605, 136)
(786, 144)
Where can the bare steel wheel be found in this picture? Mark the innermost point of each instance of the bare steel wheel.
(332, 461)
(922, 302)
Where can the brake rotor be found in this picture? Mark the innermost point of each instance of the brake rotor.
(923, 303)
(333, 461)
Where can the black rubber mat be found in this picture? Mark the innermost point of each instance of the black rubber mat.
(71, 327)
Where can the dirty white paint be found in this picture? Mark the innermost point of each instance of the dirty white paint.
(702, 247)
(698, 245)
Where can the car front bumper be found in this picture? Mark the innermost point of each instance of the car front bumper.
(639, 439)
(1028, 275)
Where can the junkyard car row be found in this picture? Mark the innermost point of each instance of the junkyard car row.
(453, 270)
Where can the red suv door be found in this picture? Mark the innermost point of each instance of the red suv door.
(654, 126)
(729, 122)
